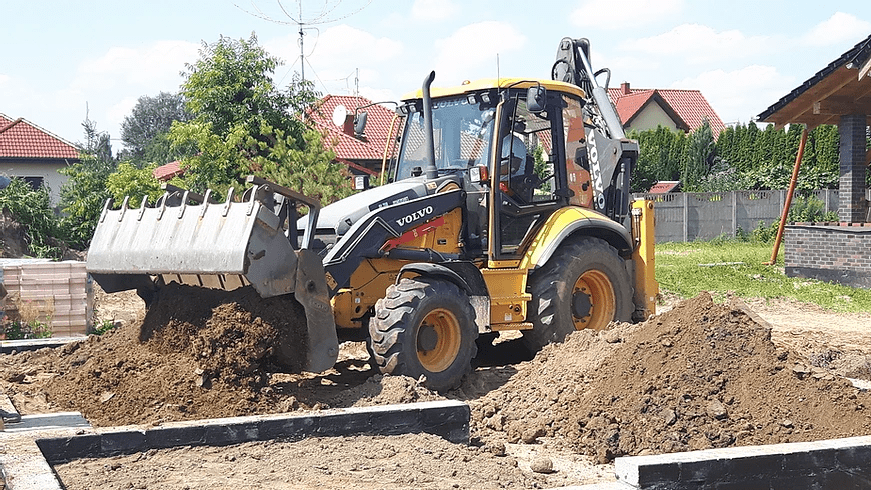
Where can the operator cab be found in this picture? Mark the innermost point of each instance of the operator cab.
(522, 141)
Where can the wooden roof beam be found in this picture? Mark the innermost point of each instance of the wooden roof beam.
(841, 106)
(799, 106)
(865, 68)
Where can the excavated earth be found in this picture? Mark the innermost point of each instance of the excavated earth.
(701, 375)
(198, 353)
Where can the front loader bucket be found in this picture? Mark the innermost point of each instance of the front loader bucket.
(220, 246)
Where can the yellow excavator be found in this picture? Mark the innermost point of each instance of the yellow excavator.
(506, 208)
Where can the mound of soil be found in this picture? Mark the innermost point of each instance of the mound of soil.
(13, 238)
(700, 376)
(198, 353)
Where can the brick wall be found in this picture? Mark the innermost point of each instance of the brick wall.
(852, 207)
(830, 253)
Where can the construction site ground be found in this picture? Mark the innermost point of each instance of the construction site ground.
(700, 375)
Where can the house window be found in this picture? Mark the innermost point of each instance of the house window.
(34, 182)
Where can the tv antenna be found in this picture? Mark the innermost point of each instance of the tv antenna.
(329, 12)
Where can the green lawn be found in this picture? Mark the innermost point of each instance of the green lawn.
(732, 266)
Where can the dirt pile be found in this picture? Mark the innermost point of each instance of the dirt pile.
(197, 354)
(13, 238)
(699, 376)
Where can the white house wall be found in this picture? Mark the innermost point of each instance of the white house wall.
(651, 117)
(48, 172)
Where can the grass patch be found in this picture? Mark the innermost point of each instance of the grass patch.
(732, 266)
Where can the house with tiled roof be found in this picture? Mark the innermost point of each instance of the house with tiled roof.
(364, 153)
(678, 110)
(34, 154)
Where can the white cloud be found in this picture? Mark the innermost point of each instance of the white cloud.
(456, 62)
(379, 95)
(604, 15)
(4, 79)
(739, 95)
(117, 112)
(153, 67)
(837, 29)
(695, 43)
(348, 43)
(433, 10)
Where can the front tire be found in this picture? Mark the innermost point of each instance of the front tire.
(424, 326)
(584, 285)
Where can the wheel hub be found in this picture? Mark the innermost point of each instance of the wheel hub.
(593, 300)
(581, 304)
(427, 338)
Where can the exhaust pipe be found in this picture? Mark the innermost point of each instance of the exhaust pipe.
(431, 170)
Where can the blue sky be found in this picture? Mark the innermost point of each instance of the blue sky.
(64, 59)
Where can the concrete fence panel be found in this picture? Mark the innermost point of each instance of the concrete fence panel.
(688, 216)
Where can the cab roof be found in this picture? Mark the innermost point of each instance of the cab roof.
(500, 83)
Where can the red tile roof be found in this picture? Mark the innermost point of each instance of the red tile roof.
(689, 105)
(20, 138)
(664, 186)
(166, 172)
(347, 147)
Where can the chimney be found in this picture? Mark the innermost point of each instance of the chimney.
(348, 127)
(624, 88)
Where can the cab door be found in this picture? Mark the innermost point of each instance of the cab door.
(527, 174)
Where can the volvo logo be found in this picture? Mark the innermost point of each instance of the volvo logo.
(420, 213)
(596, 172)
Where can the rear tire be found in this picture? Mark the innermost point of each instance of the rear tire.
(424, 326)
(584, 285)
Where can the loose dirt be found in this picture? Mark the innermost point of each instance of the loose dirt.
(396, 462)
(698, 376)
(197, 354)
(13, 239)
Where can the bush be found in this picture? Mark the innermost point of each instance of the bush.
(31, 208)
(26, 319)
(105, 326)
(803, 210)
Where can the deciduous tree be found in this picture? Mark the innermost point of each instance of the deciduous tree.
(243, 124)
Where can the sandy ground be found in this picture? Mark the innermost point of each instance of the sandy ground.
(521, 454)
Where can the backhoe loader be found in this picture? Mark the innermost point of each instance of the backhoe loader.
(507, 208)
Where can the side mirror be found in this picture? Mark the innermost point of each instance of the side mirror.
(536, 99)
(361, 182)
(360, 125)
(479, 175)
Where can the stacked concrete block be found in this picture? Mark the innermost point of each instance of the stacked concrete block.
(57, 291)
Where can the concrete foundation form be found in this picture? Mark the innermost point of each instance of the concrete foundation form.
(28, 455)
(830, 464)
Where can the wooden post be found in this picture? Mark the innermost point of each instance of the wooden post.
(789, 193)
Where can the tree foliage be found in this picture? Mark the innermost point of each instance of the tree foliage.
(83, 195)
(32, 209)
(144, 129)
(310, 170)
(128, 180)
(661, 153)
(698, 158)
(228, 121)
(242, 123)
(742, 158)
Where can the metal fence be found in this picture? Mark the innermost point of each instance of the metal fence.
(688, 216)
